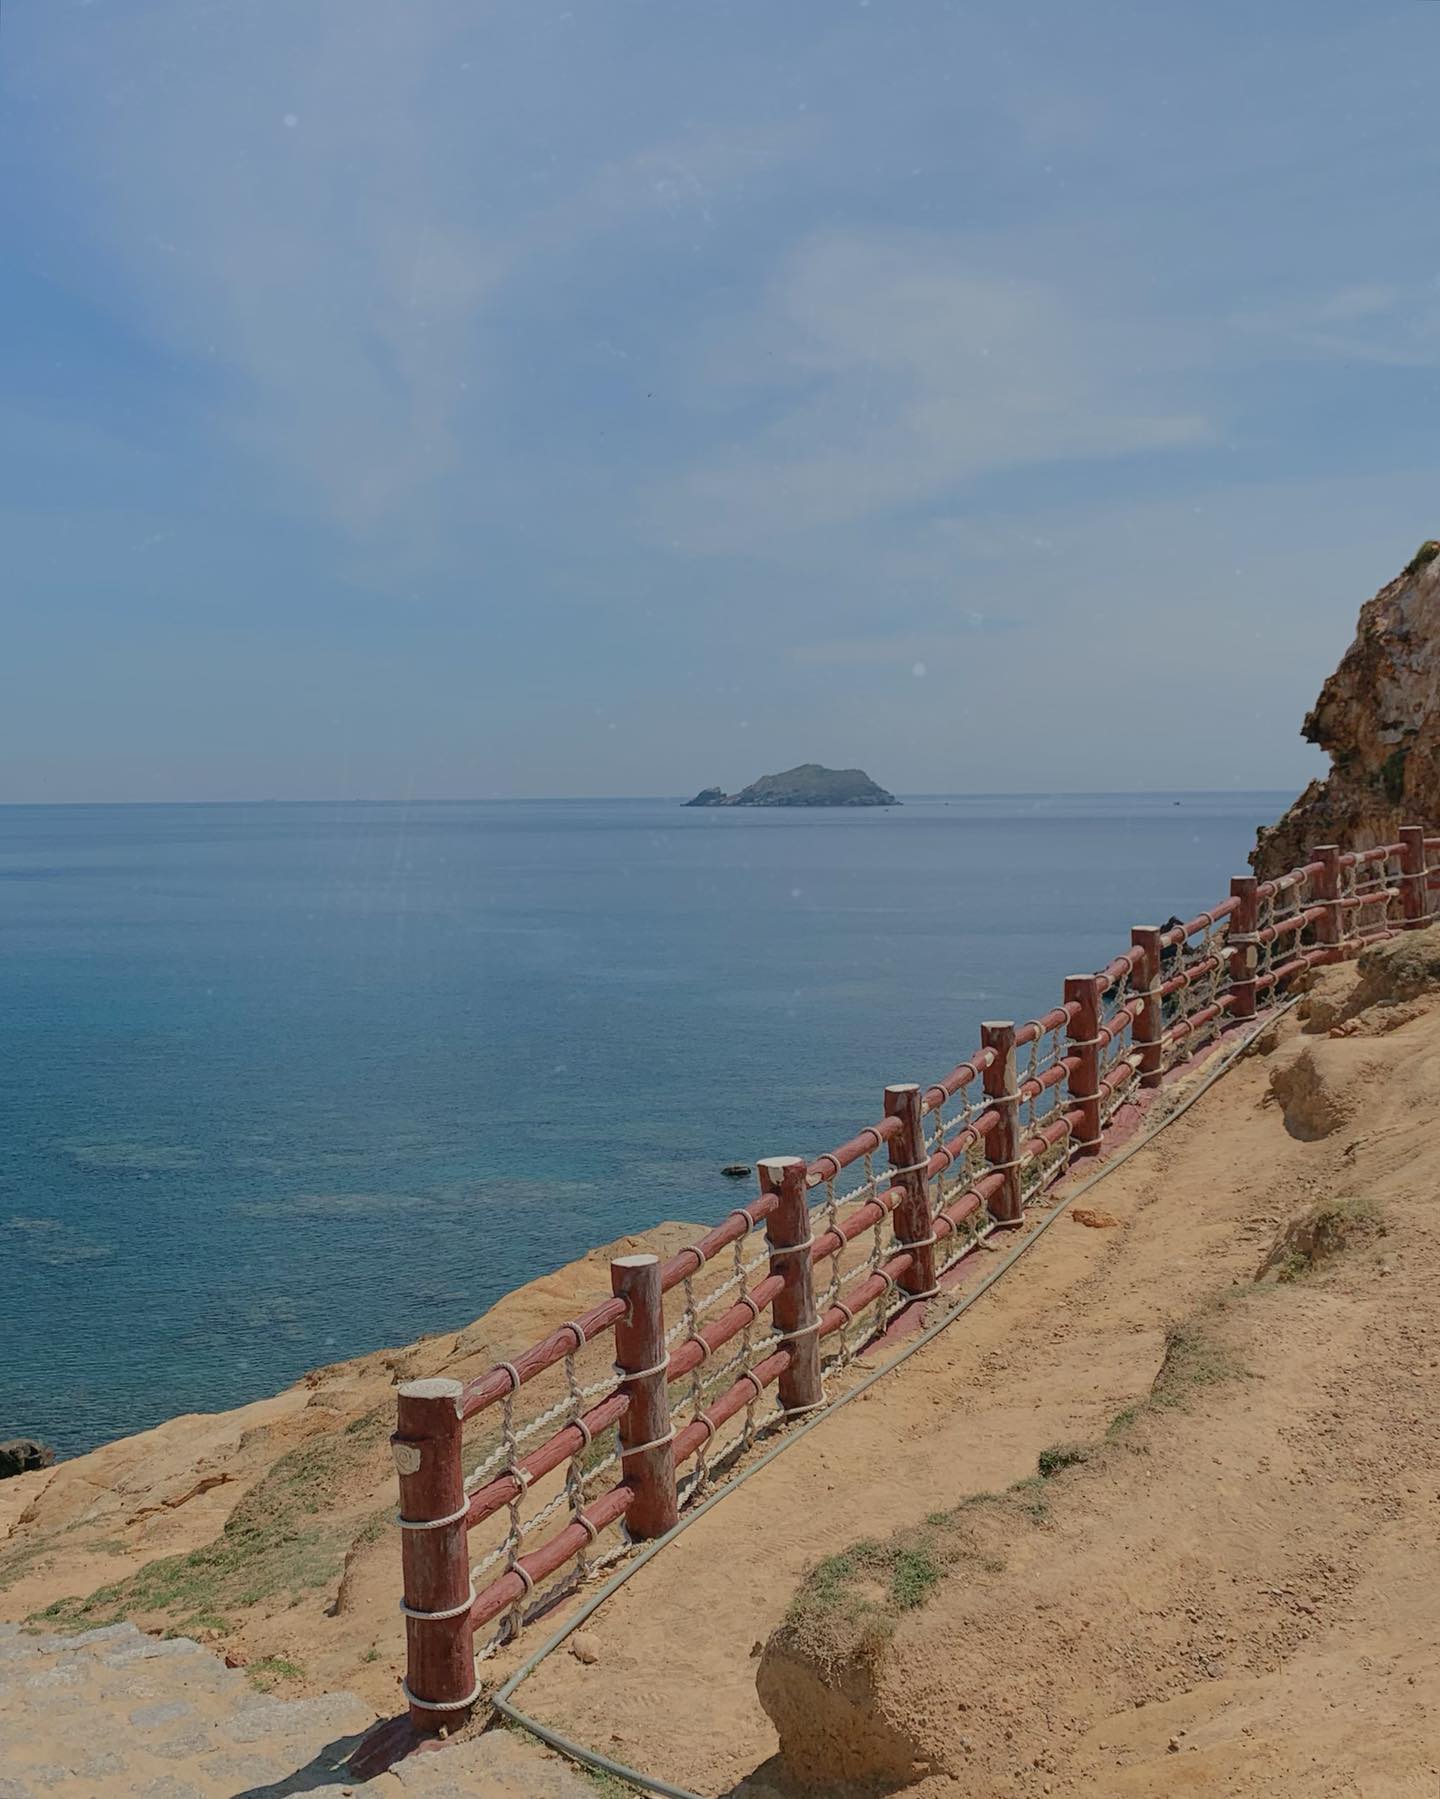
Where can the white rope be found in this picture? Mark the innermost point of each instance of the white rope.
(441, 1705)
(777, 1250)
(629, 1374)
(627, 1450)
(814, 1405)
(453, 1611)
(404, 1523)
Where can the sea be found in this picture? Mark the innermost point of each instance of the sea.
(283, 1083)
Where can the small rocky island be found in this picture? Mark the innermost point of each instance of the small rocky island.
(807, 785)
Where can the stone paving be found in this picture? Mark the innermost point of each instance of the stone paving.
(114, 1712)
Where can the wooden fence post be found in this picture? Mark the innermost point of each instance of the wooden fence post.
(1414, 900)
(440, 1682)
(647, 1440)
(1330, 929)
(1148, 1032)
(788, 1231)
(1002, 1143)
(1244, 959)
(1082, 991)
(914, 1228)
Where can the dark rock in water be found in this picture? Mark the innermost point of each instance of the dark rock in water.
(23, 1455)
(736, 1170)
(807, 785)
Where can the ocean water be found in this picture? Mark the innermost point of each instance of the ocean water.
(283, 1083)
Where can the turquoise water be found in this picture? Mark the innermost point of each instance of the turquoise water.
(284, 1083)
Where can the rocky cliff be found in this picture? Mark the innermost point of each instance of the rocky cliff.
(1378, 716)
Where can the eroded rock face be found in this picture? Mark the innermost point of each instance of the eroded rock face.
(836, 1730)
(1312, 1094)
(1378, 716)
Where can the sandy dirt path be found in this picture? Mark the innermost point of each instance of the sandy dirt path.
(1073, 1334)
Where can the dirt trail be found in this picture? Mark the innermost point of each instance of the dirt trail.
(1333, 1436)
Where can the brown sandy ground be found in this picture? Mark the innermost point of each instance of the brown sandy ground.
(265, 1531)
(1238, 1593)
(1258, 1586)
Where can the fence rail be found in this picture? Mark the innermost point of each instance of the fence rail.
(699, 1341)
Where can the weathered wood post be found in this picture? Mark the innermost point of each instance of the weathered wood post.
(647, 1440)
(1244, 959)
(787, 1230)
(1002, 1143)
(1330, 929)
(440, 1683)
(1083, 992)
(914, 1228)
(1148, 1032)
(1414, 901)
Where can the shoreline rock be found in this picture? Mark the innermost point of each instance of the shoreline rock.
(24, 1455)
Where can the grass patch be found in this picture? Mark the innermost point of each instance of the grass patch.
(849, 1604)
(913, 1576)
(23, 1558)
(279, 1541)
(1193, 1358)
(267, 1673)
(1322, 1232)
(868, 1587)
(20, 1560)
(1392, 774)
(205, 1621)
(1122, 1421)
(609, 1786)
(1031, 1497)
(374, 1527)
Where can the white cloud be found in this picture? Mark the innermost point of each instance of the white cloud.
(1395, 325)
(913, 368)
(319, 205)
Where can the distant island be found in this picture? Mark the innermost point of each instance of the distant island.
(807, 785)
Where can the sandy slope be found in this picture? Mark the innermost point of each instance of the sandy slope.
(315, 1579)
(1251, 1574)
(1256, 1568)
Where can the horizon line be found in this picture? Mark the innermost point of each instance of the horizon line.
(600, 799)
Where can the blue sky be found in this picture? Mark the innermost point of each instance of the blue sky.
(455, 399)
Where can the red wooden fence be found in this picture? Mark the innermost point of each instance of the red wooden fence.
(965, 1157)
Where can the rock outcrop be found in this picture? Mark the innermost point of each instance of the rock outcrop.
(1378, 716)
(23, 1455)
(808, 785)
